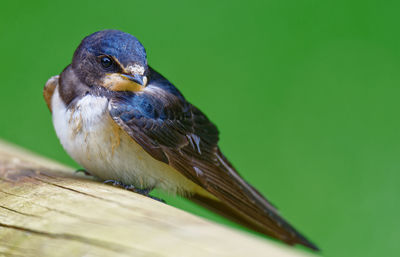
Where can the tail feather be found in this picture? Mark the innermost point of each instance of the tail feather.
(246, 221)
(237, 200)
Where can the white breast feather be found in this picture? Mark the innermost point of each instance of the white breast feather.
(92, 139)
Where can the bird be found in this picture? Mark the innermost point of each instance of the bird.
(123, 121)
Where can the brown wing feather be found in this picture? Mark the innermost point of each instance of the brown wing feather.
(183, 137)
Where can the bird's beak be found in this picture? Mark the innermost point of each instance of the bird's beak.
(139, 79)
(125, 82)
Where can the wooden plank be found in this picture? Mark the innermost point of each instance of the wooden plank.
(47, 210)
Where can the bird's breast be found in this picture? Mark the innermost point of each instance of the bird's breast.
(96, 142)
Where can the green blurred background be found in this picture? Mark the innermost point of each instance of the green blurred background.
(305, 94)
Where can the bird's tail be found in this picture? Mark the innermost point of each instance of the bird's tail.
(261, 217)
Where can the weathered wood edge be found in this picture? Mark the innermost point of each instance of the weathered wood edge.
(47, 210)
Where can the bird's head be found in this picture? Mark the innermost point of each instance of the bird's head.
(111, 59)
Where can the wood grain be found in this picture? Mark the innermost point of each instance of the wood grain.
(47, 210)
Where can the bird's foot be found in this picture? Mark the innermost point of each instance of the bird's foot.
(145, 192)
(83, 171)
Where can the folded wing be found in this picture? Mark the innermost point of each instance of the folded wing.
(177, 133)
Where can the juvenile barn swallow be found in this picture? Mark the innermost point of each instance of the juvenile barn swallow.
(121, 120)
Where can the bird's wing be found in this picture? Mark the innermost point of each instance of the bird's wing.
(177, 133)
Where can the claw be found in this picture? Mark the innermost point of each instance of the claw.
(114, 183)
(132, 188)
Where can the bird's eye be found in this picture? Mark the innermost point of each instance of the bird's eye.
(106, 62)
